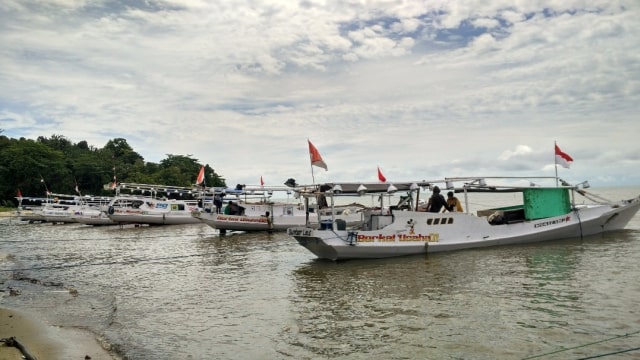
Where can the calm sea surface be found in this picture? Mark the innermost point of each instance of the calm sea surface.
(183, 292)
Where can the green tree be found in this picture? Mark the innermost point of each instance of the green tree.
(24, 163)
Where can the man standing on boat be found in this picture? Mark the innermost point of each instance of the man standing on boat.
(217, 201)
(436, 201)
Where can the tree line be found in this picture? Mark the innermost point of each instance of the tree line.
(58, 165)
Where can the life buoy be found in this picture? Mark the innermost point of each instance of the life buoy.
(111, 210)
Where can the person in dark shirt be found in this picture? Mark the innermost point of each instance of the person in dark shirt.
(217, 201)
(436, 201)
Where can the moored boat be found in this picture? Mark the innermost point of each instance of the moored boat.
(141, 210)
(543, 214)
(92, 216)
(148, 207)
(272, 216)
(254, 209)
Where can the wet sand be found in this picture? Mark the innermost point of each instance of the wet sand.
(45, 342)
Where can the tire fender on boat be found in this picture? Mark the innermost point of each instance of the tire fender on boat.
(110, 210)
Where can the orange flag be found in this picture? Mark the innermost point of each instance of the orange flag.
(316, 159)
(380, 176)
(200, 177)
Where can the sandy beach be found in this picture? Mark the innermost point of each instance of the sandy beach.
(43, 341)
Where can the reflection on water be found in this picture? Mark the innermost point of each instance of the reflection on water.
(448, 305)
(183, 292)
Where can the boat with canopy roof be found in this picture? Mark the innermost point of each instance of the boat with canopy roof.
(541, 213)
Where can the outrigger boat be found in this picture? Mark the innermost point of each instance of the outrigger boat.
(92, 216)
(256, 211)
(544, 214)
(153, 210)
(62, 208)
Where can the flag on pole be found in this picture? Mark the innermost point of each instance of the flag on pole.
(114, 183)
(77, 190)
(380, 176)
(563, 158)
(261, 181)
(19, 194)
(316, 159)
(200, 177)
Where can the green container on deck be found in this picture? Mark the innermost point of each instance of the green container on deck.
(542, 203)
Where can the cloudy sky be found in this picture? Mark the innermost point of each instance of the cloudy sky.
(423, 89)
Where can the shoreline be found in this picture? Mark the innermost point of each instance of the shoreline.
(44, 341)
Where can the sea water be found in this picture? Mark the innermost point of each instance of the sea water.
(184, 292)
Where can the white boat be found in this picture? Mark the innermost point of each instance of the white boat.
(144, 204)
(252, 208)
(58, 213)
(152, 211)
(32, 209)
(58, 208)
(543, 214)
(272, 216)
(92, 216)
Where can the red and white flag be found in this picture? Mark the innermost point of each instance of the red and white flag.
(563, 158)
(316, 159)
(380, 176)
(261, 181)
(19, 194)
(200, 177)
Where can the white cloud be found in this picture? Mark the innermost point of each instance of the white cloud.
(519, 151)
(423, 89)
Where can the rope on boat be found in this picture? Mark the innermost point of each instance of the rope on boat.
(13, 342)
(588, 344)
(579, 221)
(593, 197)
(352, 237)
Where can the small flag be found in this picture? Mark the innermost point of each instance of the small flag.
(261, 181)
(380, 176)
(316, 159)
(19, 194)
(563, 158)
(200, 177)
(78, 191)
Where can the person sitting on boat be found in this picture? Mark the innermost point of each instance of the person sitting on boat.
(229, 208)
(436, 201)
(453, 203)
